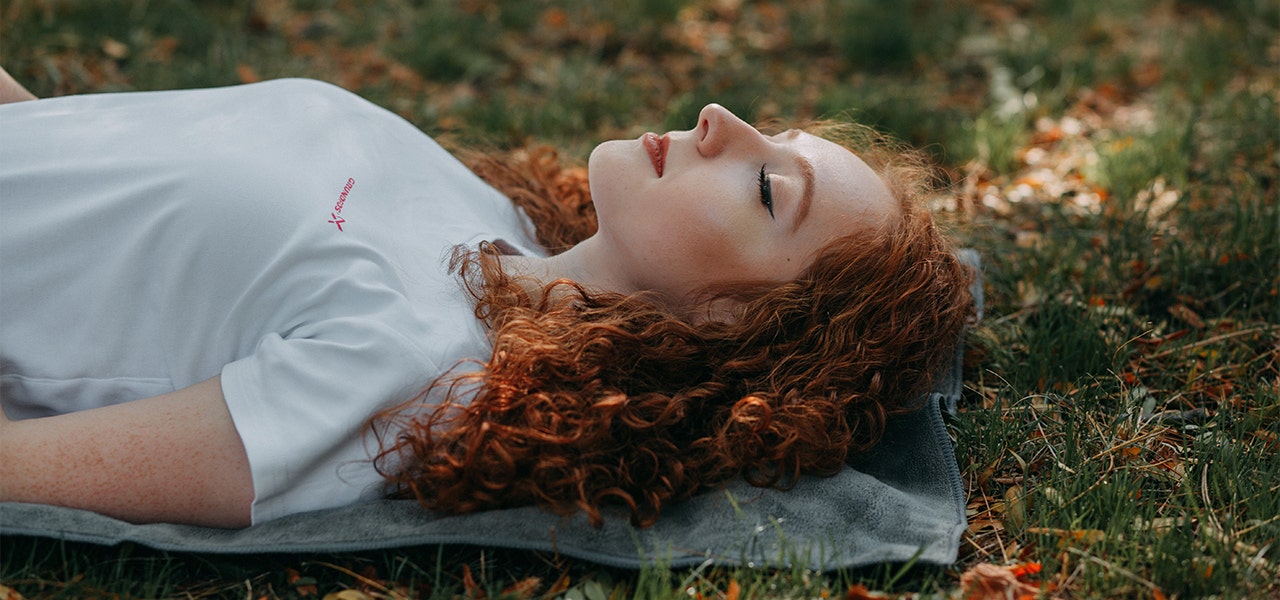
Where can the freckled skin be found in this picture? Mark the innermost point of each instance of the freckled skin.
(172, 458)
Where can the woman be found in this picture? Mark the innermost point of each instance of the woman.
(209, 296)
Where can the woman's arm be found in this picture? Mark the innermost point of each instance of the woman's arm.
(171, 458)
(11, 90)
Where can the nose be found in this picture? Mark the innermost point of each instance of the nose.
(718, 129)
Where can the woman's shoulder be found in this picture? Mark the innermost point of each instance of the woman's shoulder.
(301, 85)
(310, 92)
(281, 100)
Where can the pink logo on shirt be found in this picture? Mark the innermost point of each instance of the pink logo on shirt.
(335, 217)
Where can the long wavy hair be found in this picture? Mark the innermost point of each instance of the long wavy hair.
(590, 399)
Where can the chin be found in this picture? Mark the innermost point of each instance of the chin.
(608, 164)
(612, 151)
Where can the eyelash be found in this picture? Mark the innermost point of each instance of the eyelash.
(766, 192)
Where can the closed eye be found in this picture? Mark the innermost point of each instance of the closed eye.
(766, 192)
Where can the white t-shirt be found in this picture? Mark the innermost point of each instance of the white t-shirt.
(287, 235)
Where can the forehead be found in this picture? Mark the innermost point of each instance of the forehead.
(846, 190)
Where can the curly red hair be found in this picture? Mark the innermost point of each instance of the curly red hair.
(590, 399)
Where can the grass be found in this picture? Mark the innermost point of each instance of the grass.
(1116, 163)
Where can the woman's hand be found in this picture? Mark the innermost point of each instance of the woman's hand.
(172, 458)
(11, 90)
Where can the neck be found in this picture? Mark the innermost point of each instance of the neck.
(582, 264)
(587, 265)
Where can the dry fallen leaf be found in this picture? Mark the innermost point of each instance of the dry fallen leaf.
(247, 74)
(985, 581)
(1183, 313)
(561, 584)
(860, 592)
(469, 585)
(348, 595)
(525, 588)
(115, 48)
(1084, 536)
(1015, 501)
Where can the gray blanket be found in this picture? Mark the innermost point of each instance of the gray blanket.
(903, 501)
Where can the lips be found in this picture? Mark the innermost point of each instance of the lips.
(656, 145)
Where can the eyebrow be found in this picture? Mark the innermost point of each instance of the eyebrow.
(806, 196)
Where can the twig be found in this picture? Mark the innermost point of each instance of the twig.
(1204, 495)
(1013, 315)
(1258, 524)
(1215, 339)
(361, 578)
(1111, 567)
(1151, 434)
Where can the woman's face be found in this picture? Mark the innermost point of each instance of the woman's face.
(691, 209)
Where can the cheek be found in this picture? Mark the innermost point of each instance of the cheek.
(692, 215)
(708, 242)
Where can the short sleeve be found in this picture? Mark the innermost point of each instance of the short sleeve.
(301, 405)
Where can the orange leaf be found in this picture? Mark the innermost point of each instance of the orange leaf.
(985, 581)
(525, 588)
(561, 584)
(555, 18)
(303, 586)
(469, 584)
(733, 591)
(1185, 314)
(162, 50)
(1030, 180)
(1025, 569)
(1269, 439)
(247, 74)
(1048, 136)
(858, 591)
